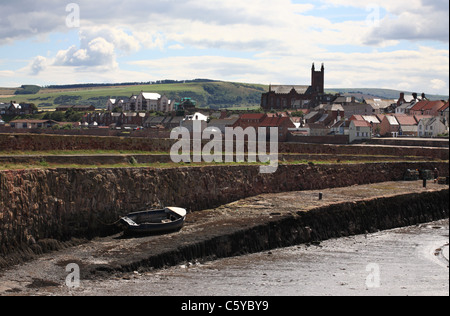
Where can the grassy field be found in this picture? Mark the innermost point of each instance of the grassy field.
(159, 165)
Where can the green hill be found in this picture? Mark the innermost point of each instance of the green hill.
(211, 94)
(380, 93)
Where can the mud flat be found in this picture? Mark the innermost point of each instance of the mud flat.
(249, 225)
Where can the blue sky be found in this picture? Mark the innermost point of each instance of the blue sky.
(364, 44)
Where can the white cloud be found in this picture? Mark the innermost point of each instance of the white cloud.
(96, 53)
(176, 47)
(405, 19)
(23, 19)
(438, 85)
(6, 73)
(116, 36)
(270, 41)
(403, 70)
(38, 64)
(392, 70)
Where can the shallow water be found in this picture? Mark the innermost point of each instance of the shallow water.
(405, 261)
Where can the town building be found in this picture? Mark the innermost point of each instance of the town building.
(31, 124)
(3, 108)
(186, 104)
(153, 102)
(282, 123)
(407, 125)
(340, 127)
(359, 131)
(432, 127)
(222, 124)
(13, 108)
(427, 108)
(373, 120)
(444, 111)
(111, 104)
(144, 102)
(250, 120)
(358, 108)
(379, 106)
(389, 126)
(297, 96)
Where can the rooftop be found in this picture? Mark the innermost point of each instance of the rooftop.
(285, 89)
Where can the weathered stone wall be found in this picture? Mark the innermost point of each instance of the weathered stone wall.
(60, 204)
(331, 221)
(30, 142)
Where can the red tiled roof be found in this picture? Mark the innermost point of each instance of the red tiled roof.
(276, 122)
(419, 106)
(406, 120)
(433, 105)
(356, 117)
(361, 123)
(253, 116)
(427, 105)
(445, 106)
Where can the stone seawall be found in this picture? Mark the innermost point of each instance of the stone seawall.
(61, 204)
(322, 223)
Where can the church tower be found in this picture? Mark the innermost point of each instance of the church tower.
(318, 79)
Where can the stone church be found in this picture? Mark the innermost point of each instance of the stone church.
(291, 97)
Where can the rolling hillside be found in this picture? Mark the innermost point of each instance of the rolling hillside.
(207, 93)
(380, 93)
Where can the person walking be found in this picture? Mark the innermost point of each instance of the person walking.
(436, 175)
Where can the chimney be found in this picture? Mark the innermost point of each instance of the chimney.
(414, 96)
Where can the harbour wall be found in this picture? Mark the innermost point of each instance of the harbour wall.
(32, 142)
(40, 210)
(331, 221)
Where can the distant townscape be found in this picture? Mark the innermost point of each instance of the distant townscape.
(302, 113)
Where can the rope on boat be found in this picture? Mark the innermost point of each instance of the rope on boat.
(112, 224)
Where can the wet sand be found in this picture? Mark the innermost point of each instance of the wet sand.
(401, 262)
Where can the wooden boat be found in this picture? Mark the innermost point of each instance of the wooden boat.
(169, 219)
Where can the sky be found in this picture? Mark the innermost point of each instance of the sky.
(401, 44)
